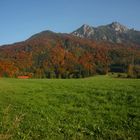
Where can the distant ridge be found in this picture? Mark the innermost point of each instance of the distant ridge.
(85, 52)
(114, 32)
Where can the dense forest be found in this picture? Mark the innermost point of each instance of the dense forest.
(55, 55)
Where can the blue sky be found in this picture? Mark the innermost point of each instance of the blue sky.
(19, 19)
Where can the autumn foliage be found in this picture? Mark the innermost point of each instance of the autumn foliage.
(52, 55)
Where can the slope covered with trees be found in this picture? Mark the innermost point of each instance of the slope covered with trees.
(55, 55)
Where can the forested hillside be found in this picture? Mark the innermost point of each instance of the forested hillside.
(55, 55)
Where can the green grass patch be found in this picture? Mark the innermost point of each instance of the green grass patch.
(98, 108)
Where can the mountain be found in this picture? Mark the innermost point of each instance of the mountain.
(114, 32)
(59, 55)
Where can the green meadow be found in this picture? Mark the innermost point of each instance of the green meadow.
(97, 108)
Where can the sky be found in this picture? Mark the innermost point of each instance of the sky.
(19, 19)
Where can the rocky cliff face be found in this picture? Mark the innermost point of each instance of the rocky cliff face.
(114, 32)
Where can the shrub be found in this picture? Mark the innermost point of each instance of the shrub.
(133, 71)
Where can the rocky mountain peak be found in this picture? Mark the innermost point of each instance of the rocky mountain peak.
(84, 31)
(118, 27)
(87, 30)
(86, 26)
(113, 32)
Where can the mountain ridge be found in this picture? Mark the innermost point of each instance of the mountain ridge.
(114, 32)
(53, 55)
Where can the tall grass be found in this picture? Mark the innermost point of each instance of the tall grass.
(9, 126)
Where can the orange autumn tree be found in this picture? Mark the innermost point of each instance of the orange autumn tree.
(57, 55)
(87, 64)
(8, 69)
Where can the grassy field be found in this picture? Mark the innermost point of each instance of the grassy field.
(98, 108)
